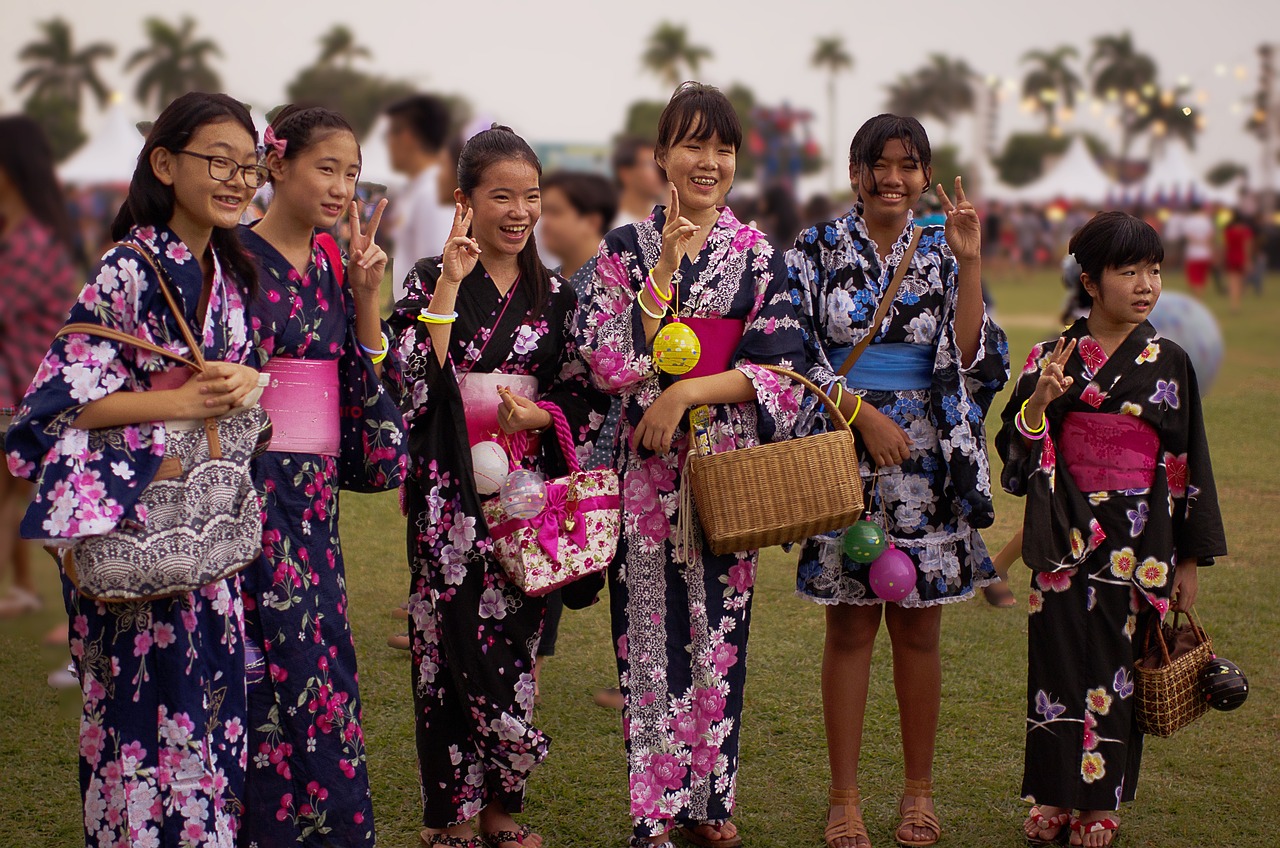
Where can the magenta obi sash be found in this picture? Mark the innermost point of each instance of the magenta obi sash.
(719, 339)
(1104, 452)
(302, 400)
(480, 401)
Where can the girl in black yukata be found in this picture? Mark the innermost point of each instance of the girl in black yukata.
(1104, 436)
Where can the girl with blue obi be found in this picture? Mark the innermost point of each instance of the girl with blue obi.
(917, 396)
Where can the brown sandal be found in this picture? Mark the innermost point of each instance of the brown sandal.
(847, 826)
(916, 817)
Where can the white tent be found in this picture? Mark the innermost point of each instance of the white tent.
(988, 185)
(110, 156)
(376, 167)
(1073, 177)
(1170, 177)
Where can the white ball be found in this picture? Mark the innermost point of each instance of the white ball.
(490, 465)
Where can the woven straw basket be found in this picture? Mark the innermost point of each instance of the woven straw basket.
(781, 492)
(1169, 696)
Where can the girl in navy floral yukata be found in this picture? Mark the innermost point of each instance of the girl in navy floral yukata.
(163, 730)
(917, 398)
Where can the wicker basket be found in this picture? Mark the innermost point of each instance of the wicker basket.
(781, 492)
(1169, 695)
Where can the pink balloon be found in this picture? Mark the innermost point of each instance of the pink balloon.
(893, 575)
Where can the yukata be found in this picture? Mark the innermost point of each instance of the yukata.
(473, 634)
(163, 727)
(1118, 490)
(308, 780)
(680, 624)
(932, 505)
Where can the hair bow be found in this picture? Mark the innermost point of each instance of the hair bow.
(270, 142)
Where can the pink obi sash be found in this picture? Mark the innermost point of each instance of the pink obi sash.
(719, 339)
(480, 401)
(1104, 452)
(303, 402)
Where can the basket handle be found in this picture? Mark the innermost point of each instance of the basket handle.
(837, 416)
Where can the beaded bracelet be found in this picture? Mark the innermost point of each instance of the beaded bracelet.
(1020, 423)
(433, 318)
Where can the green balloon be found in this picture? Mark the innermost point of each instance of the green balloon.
(864, 541)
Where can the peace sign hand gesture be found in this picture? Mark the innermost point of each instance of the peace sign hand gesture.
(1053, 382)
(368, 260)
(677, 235)
(963, 229)
(461, 251)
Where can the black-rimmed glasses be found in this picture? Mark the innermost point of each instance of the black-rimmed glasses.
(224, 170)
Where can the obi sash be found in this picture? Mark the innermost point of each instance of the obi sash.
(480, 401)
(1104, 452)
(888, 367)
(302, 399)
(719, 339)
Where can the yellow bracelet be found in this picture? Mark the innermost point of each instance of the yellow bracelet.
(434, 318)
(378, 357)
(1023, 412)
(856, 409)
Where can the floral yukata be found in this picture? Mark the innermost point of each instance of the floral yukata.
(308, 780)
(163, 730)
(473, 634)
(932, 505)
(680, 627)
(1103, 561)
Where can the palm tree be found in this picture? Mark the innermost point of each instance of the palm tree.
(1051, 81)
(338, 46)
(669, 50)
(58, 70)
(1122, 73)
(174, 63)
(830, 55)
(942, 89)
(1166, 116)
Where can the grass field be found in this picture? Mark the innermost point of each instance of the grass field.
(1216, 784)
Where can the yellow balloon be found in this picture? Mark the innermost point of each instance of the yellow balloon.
(676, 349)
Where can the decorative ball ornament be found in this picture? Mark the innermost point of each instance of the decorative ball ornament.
(524, 494)
(893, 575)
(676, 349)
(1191, 326)
(1224, 685)
(864, 541)
(489, 466)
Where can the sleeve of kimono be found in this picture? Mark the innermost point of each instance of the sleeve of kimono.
(807, 297)
(373, 454)
(773, 336)
(610, 327)
(986, 375)
(572, 391)
(1020, 457)
(415, 380)
(80, 475)
(1197, 519)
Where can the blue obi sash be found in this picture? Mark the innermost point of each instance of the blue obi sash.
(888, 367)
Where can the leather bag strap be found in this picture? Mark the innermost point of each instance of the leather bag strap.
(886, 300)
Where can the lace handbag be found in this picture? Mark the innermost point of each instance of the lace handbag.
(199, 520)
(575, 535)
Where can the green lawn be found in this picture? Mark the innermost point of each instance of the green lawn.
(1215, 784)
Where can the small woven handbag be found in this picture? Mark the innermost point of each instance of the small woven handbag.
(575, 535)
(1168, 676)
(199, 519)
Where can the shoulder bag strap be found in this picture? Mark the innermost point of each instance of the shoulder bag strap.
(330, 248)
(83, 328)
(886, 300)
(197, 352)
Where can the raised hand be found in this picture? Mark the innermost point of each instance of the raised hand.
(461, 251)
(1053, 382)
(677, 234)
(963, 229)
(368, 260)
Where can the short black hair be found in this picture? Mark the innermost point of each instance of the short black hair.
(698, 111)
(626, 152)
(587, 193)
(1113, 240)
(869, 142)
(427, 117)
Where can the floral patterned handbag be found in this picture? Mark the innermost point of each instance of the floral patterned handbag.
(575, 535)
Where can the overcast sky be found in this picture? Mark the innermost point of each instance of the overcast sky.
(566, 69)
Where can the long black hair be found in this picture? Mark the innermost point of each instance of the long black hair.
(150, 202)
(302, 126)
(870, 139)
(501, 144)
(27, 160)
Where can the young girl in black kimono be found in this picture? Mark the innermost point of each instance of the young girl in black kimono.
(1105, 438)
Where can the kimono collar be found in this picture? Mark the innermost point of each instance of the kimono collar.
(865, 248)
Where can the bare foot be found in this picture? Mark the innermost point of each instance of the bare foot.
(1101, 837)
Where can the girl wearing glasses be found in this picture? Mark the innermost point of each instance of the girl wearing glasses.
(318, 334)
(163, 728)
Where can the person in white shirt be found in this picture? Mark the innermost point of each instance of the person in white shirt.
(640, 183)
(1197, 231)
(416, 143)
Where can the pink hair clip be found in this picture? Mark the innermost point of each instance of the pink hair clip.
(270, 142)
